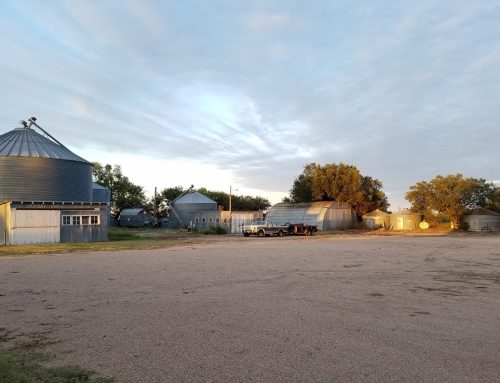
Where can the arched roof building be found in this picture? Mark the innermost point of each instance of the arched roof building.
(327, 215)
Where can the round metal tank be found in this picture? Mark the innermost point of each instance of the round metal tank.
(377, 219)
(36, 168)
(405, 220)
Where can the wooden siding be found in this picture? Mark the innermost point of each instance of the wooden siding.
(34, 226)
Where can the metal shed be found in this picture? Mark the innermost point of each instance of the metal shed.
(327, 215)
(136, 217)
(376, 219)
(481, 219)
(190, 202)
(34, 167)
(405, 219)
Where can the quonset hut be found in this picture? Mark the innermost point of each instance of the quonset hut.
(327, 215)
(481, 219)
(46, 191)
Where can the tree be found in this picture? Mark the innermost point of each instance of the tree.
(339, 182)
(241, 203)
(450, 196)
(124, 194)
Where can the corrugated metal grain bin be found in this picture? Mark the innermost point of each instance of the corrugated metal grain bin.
(481, 219)
(405, 220)
(327, 215)
(190, 202)
(37, 168)
(376, 219)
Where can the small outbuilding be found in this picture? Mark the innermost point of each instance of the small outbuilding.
(327, 215)
(481, 219)
(136, 217)
(405, 219)
(377, 219)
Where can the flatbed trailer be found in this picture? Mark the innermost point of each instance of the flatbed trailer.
(302, 229)
(267, 229)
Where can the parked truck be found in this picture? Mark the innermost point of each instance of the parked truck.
(267, 229)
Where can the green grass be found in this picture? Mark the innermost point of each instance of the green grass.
(120, 238)
(18, 367)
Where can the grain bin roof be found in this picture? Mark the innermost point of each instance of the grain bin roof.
(481, 211)
(376, 213)
(193, 197)
(25, 142)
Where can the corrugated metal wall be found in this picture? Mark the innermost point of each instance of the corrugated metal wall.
(326, 215)
(4, 207)
(374, 222)
(85, 233)
(241, 218)
(481, 222)
(34, 226)
(44, 179)
(183, 211)
(405, 221)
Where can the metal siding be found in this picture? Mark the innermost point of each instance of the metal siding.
(326, 215)
(85, 233)
(45, 179)
(3, 223)
(480, 222)
(34, 226)
(183, 211)
(242, 218)
(405, 221)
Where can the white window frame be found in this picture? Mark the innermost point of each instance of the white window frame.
(77, 220)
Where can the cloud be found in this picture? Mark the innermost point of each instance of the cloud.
(403, 91)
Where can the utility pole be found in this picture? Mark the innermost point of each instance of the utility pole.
(155, 221)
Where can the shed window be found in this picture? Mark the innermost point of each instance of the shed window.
(197, 220)
(94, 220)
(203, 220)
(210, 220)
(217, 220)
(76, 220)
(66, 220)
(85, 220)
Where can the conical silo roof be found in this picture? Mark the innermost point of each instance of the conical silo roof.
(193, 197)
(26, 142)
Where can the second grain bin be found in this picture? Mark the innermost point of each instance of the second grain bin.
(405, 219)
(377, 219)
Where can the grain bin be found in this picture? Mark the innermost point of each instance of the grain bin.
(405, 219)
(189, 202)
(36, 167)
(376, 219)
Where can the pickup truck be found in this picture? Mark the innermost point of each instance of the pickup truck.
(266, 229)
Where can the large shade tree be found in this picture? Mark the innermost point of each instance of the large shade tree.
(124, 193)
(338, 182)
(450, 196)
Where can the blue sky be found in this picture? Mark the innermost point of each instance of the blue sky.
(245, 93)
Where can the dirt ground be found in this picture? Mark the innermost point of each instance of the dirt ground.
(348, 308)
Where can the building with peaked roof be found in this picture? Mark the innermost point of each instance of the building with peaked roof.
(481, 219)
(46, 191)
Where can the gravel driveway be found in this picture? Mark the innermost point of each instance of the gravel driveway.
(324, 309)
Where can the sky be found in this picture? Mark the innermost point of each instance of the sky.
(245, 93)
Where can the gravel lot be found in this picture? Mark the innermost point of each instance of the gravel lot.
(318, 309)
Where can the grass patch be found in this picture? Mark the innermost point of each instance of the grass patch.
(120, 238)
(18, 367)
